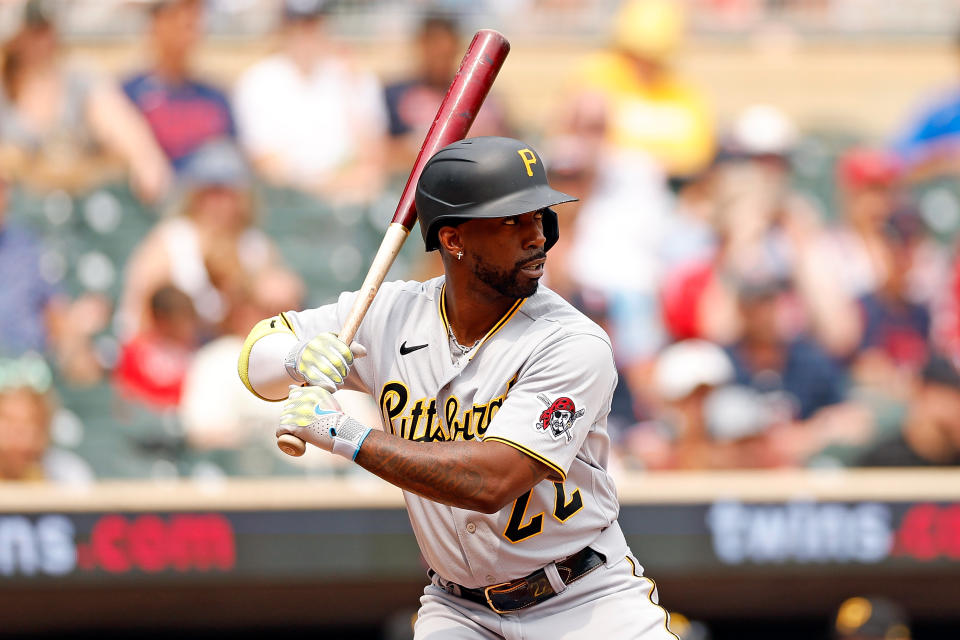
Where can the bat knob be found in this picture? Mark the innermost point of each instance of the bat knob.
(291, 445)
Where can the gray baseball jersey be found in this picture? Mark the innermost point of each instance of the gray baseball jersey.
(540, 381)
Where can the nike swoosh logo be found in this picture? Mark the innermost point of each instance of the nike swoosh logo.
(404, 349)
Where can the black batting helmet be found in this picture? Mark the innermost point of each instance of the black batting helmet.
(486, 177)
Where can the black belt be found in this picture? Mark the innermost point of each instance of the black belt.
(521, 593)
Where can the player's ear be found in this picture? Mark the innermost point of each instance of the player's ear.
(450, 238)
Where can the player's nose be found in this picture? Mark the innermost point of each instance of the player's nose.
(533, 236)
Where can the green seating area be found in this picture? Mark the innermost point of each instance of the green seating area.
(87, 240)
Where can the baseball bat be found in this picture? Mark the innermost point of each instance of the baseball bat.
(478, 70)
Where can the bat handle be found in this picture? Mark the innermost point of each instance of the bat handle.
(291, 445)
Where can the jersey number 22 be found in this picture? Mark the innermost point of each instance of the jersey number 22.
(562, 510)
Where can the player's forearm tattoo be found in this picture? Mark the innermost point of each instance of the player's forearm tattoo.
(451, 479)
(537, 471)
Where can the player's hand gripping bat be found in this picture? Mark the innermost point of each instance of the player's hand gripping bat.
(460, 105)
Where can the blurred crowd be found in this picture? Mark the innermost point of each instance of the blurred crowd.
(775, 299)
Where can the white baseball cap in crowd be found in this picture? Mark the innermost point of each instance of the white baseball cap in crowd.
(762, 130)
(684, 366)
(735, 411)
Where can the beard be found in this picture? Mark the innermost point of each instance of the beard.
(507, 282)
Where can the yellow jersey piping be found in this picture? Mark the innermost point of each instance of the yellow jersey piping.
(533, 454)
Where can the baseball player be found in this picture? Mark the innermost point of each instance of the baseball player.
(494, 394)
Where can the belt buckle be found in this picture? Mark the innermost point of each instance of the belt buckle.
(486, 595)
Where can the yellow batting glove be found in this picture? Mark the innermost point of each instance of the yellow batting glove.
(323, 361)
(314, 416)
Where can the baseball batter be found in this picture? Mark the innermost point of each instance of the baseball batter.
(494, 394)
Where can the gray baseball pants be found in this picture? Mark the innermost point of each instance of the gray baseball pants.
(613, 602)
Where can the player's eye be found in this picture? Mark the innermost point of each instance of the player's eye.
(510, 220)
(538, 215)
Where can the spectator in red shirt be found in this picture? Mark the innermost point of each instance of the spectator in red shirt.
(896, 328)
(153, 363)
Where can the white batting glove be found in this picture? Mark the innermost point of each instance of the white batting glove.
(323, 361)
(314, 416)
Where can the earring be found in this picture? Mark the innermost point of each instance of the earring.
(459, 255)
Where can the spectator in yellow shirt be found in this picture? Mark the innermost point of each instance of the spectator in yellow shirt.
(649, 108)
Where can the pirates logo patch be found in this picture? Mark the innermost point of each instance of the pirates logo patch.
(558, 418)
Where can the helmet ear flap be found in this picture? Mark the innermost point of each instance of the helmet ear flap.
(551, 228)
